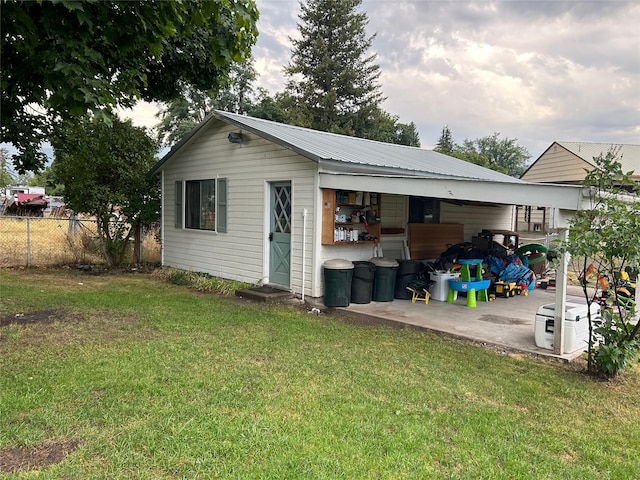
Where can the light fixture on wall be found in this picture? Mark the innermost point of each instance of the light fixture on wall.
(235, 137)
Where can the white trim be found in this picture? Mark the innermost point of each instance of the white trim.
(567, 197)
(266, 227)
(316, 270)
(292, 238)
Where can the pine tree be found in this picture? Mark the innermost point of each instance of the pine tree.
(445, 143)
(333, 81)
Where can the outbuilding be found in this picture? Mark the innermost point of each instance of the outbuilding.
(257, 201)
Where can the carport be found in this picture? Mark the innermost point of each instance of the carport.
(515, 319)
(506, 324)
(297, 167)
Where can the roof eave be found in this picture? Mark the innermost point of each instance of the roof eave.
(567, 197)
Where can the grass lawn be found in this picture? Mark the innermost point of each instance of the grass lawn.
(127, 376)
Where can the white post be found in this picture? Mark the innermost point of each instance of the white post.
(561, 299)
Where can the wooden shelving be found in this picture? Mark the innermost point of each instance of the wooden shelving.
(339, 205)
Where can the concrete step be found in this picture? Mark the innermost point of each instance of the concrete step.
(265, 293)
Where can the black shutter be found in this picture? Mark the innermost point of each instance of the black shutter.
(221, 208)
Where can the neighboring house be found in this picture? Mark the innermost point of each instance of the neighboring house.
(567, 163)
(257, 201)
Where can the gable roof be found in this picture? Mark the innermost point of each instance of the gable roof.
(628, 154)
(345, 154)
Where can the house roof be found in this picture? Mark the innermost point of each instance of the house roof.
(628, 154)
(344, 153)
(390, 168)
(366, 156)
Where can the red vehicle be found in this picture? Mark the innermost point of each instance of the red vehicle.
(27, 204)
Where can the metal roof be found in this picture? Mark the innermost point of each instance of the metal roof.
(390, 168)
(342, 153)
(629, 155)
(367, 155)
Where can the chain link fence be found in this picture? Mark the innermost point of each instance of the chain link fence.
(45, 242)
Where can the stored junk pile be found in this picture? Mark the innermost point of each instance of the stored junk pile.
(25, 205)
(512, 269)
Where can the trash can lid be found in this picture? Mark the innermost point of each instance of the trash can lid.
(338, 264)
(384, 262)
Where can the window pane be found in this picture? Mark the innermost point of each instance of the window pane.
(200, 204)
(424, 210)
(193, 205)
(208, 205)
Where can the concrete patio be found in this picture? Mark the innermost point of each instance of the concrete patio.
(505, 322)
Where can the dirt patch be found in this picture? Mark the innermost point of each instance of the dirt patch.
(40, 317)
(36, 457)
(55, 328)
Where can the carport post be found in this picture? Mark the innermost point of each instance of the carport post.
(561, 298)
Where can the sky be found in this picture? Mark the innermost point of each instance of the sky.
(535, 71)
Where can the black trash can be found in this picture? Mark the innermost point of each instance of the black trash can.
(384, 281)
(408, 270)
(362, 282)
(337, 282)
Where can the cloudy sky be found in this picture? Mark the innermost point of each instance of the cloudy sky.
(537, 71)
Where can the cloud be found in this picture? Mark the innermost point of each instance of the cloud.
(142, 115)
(537, 71)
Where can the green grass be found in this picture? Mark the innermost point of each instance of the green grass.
(158, 381)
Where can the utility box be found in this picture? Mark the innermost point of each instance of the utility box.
(576, 326)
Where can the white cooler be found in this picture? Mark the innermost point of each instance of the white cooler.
(576, 326)
(440, 289)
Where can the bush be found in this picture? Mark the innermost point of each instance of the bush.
(606, 240)
(612, 350)
(202, 282)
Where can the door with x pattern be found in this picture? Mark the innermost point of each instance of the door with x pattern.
(280, 234)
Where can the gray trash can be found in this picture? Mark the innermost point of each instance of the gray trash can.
(337, 282)
(384, 282)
